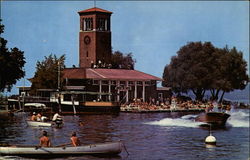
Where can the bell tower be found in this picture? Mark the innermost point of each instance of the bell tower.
(94, 37)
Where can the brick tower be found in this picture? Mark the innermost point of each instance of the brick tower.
(94, 37)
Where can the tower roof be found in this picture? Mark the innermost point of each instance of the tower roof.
(95, 9)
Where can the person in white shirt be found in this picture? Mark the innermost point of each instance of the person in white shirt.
(56, 116)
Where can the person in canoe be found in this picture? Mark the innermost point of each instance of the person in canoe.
(44, 140)
(75, 140)
(33, 117)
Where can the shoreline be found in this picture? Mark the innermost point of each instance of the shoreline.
(163, 110)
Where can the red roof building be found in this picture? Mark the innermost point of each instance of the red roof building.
(123, 84)
(107, 74)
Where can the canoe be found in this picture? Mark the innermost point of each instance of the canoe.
(93, 149)
(38, 124)
(213, 118)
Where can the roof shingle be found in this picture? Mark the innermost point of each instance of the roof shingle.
(107, 74)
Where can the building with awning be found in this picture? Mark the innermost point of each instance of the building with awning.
(119, 84)
(91, 86)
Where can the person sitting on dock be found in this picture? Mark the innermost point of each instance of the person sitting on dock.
(44, 140)
(33, 117)
(75, 140)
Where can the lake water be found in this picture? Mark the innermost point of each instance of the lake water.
(147, 136)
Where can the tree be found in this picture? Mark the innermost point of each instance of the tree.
(189, 70)
(122, 61)
(47, 71)
(233, 72)
(11, 64)
(201, 66)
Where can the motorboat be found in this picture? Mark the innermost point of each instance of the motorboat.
(213, 118)
(101, 148)
(38, 123)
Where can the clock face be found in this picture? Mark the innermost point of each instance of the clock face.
(86, 39)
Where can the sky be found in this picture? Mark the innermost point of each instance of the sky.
(153, 31)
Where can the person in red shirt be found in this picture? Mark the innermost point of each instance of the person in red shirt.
(75, 140)
(44, 140)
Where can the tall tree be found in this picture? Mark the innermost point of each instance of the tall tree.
(122, 61)
(47, 72)
(235, 71)
(200, 66)
(189, 70)
(11, 64)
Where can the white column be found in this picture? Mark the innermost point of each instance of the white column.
(100, 89)
(106, 24)
(135, 90)
(109, 90)
(126, 91)
(118, 91)
(84, 25)
(143, 91)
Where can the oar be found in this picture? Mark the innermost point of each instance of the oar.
(63, 145)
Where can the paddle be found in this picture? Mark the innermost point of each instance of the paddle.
(63, 145)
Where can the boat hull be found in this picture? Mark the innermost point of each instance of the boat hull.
(91, 108)
(102, 148)
(39, 124)
(213, 118)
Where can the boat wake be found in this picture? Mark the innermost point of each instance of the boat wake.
(184, 121)
(238, 118)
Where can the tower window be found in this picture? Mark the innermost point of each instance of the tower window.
(102, 24)
(87, 54)
(88, 24)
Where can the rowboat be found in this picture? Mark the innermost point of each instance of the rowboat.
(213, 118)
(92, 149)
(38, 123)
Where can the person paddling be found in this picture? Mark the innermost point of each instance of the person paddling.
(44, 140)
(75, 140)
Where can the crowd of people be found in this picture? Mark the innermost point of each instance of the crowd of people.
(172, 104)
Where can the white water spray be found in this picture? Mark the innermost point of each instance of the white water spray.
(185, 121)
(238, 118)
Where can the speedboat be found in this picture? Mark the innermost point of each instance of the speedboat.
(213, 118)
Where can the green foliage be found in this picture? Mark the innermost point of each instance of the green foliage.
(122, 61)
(47, 71)
(201, 66)
(11, 64)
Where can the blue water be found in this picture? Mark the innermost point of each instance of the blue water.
(147, 136)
